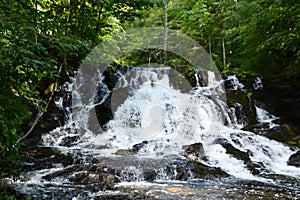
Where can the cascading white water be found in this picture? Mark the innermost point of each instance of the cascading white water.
(235, 82)
(168, 119)
(264, 117)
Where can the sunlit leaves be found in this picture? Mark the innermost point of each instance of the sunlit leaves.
(41, 40)
(261, 36)
(270, 47)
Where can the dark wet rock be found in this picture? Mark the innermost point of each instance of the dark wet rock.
(69, 141)
(241, 155)
(100, 167)
(149, 175)
(114, 197)
(37, 158)
(281, 97)
(255, 168)
(137, 147)
(98, 181)
(65, 172)
(52, 118)
(112, 75)
(194, 151)
(134, 150)
(294, 159)
(104, 113)
(200, 170)
(187, 169)
(105, 92)
(286, 133)
(178, 170)
(182, 78)
(95, 177)
(123, 152)
(202, 77)
(142, 170)
(244, 107)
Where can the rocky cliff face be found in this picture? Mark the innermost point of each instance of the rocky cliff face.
(281, 97)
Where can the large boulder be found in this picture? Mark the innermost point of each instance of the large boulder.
(244, 107)
(132, 151)
(281, 97)
(294, 159)
(255, 168)
(201, 170)
(38, 158)
(187, 169)
(194, 151)
(105, 91)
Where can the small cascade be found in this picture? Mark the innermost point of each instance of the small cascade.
(265, 118)
(234, 82)
(258, 85)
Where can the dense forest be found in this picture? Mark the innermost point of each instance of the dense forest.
(43, 42)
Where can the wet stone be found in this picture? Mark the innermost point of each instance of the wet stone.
(113, 197)
(133, 151)
(149, 175)
(44, 158)
(255, 168)
(200, 170)
(294, 159)
(123, 152)
(194, 151)
(95, 181)
(241, 155)
(69, 141)
(186, 170)
(137, 147)
(244, 107)
(63, 172)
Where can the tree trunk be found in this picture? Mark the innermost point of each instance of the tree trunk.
(223, 49)
(210, 51)
(36, 14)
(82, 16)
(98, 18)
(165, 58)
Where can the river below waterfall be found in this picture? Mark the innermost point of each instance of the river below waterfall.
(164, 139)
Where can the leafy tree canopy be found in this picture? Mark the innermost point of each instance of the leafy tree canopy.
(42, 41)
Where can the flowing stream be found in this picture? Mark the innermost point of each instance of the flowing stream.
(154, 118)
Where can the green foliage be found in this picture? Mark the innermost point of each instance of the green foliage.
(261, 37)
(8, 194)
(267, 43)
(13, 113)
(30, 59)
(151, 56)
(41, 40)
(5, 196)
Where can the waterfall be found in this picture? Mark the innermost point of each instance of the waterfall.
(149, 109)
(151, 131)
